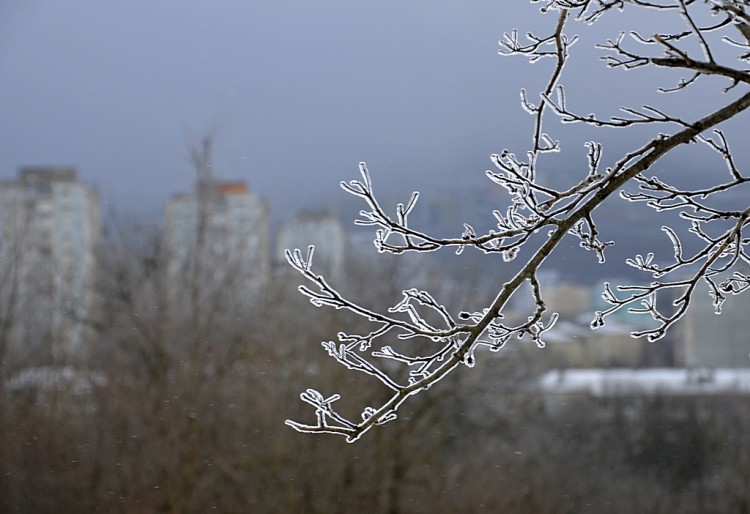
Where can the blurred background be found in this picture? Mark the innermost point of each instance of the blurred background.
(158, 157)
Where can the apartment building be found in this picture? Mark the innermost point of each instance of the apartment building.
(50, 224)
(217, 243)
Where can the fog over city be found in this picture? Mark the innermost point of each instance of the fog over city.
(297, 93)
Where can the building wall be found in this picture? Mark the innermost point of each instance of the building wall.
(716, 341)
(322, 231)
(614, 349)
(568, 299)
(217, 248)
(50, 224)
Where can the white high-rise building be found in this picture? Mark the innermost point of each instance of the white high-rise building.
(325, 233)
(217, 247)
(50, 223)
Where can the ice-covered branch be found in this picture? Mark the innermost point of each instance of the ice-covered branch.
(716, 258)
(418, 341)
(326, 295)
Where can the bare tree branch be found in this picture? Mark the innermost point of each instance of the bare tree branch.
(538, 217)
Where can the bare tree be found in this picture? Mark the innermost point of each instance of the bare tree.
(419, 341)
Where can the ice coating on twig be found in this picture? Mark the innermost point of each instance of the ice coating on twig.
(536, 217)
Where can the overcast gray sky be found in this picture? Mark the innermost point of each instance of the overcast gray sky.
(300, 91)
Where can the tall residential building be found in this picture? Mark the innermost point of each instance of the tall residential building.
(50, 224)
(716, 341)
(325, 233)
(217, 247)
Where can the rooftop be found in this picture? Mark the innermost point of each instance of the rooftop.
(44, 174)
(650, 381)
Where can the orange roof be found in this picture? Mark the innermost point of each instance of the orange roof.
(236, 187)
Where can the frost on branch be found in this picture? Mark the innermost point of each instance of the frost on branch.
(419, 340)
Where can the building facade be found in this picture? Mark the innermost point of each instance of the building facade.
(50, 224)
(217, 243)
(715, 341)
(325, 233)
